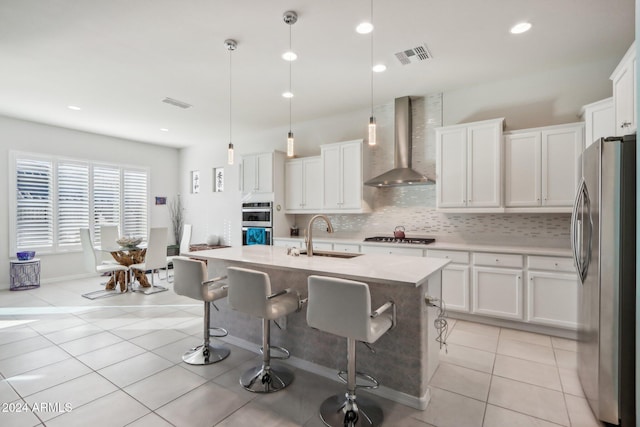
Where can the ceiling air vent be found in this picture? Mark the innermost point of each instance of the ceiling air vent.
(414, 55)
(177, 103)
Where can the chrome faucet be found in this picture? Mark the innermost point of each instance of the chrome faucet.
(310, 228)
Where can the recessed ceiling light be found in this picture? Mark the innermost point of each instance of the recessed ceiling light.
(74, 107)
(364, 28)
(164, 130)
(379, 68)
(520, 28)
(287, 95)
(289, 56)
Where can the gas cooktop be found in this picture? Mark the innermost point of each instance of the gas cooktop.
(409, 240)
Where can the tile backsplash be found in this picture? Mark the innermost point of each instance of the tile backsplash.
(411, 208)
(414, 206)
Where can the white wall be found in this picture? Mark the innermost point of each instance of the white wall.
(38, 138)
(548, 98)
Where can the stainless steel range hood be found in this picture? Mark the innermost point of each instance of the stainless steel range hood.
(401, 174)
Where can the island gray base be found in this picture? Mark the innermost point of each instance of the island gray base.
(405, 358)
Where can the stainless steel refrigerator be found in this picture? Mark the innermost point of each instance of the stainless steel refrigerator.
(603, 236)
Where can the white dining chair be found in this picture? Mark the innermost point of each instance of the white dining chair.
(154, 259)
(92, 263)
(108, 236)
(185, 242)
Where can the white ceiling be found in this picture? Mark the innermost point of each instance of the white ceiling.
(117, 59)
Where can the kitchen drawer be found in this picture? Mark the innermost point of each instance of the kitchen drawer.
(346, 247)
(391, 250)
(551, 263)
(322, 246)
(287, 243)
(455, 256)
(497, 260)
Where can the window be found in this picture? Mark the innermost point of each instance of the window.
(55, 197)
(34, 210)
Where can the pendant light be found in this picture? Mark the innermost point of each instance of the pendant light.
(290, 18)
(231, 45)
(372, 119)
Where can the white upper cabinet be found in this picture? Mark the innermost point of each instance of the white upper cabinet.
(624, 93)
(561, 148)
(342, 176)
(257, 173)
(541, 167)
(599, 120)
(522, 171)
(469, 164)
(303, 179)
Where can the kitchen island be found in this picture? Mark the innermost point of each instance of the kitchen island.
(406, 357)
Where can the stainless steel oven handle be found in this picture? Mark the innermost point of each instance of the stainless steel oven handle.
(268, 210)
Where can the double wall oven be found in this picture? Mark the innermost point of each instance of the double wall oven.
(257, 223)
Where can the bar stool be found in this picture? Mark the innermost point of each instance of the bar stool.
(190, 280)
(343, 307)
(250, 293)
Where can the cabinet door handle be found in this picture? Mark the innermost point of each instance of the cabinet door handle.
(625, 124)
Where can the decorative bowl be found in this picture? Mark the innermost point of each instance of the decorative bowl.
(129, 242)
(25, 255)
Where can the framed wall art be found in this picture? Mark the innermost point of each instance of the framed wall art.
(195, 182)
(218, 180)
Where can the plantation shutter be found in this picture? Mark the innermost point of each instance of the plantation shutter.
(73, 202)
(135, 203)
(34, 213)
(106, 198)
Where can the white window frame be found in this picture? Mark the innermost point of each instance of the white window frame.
(55, 160)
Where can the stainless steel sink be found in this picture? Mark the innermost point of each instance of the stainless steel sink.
(332, 254)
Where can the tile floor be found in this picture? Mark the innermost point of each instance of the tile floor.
(69, 361)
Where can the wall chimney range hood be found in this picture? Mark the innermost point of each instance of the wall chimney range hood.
(401, 174)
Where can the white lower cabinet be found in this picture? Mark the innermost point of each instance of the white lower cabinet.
(497, 292)
(455, 287)
(497, 285)
(552, 292)
(455, 279)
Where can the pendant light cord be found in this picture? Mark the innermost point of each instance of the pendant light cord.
(290, 67)
(230, 97)
(371, 70)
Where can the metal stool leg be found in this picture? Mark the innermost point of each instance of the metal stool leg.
(347, 410)
(266, 378)
(206, 353)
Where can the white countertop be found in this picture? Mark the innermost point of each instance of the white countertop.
(391, 269)
(454, 246)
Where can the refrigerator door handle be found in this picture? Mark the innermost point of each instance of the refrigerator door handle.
(582, 253)
(575, 244)
(589, 219)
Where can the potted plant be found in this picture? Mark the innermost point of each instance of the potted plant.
(177, 221)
